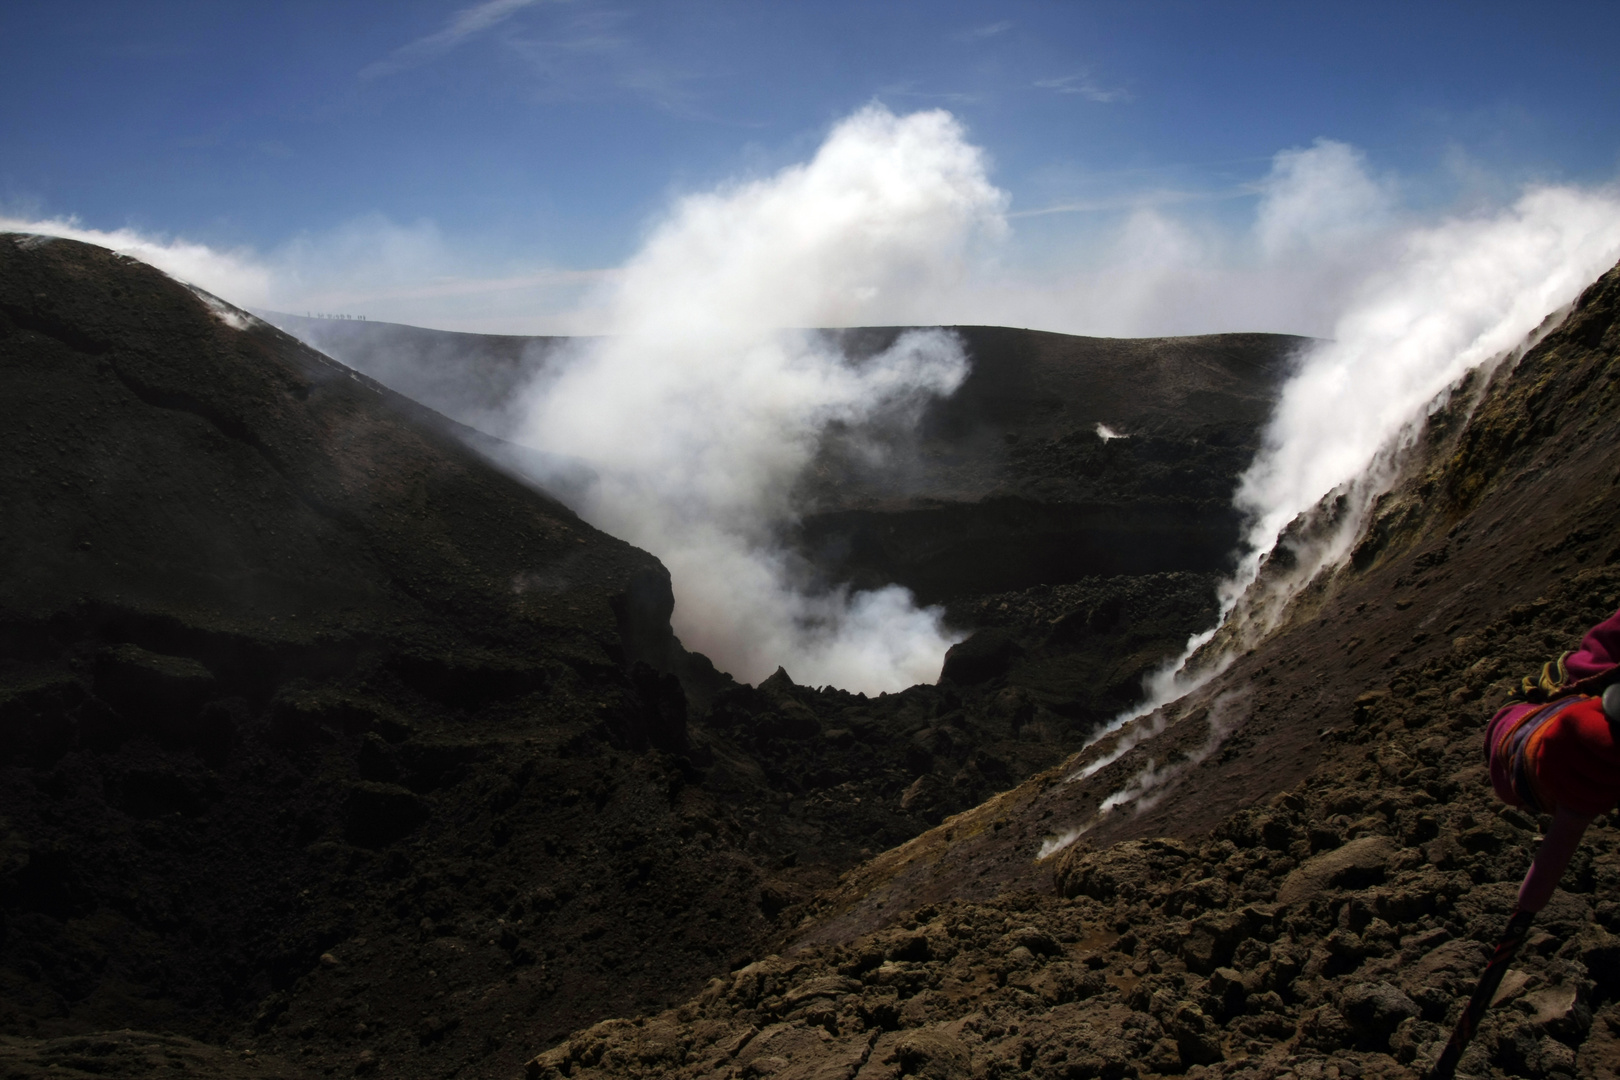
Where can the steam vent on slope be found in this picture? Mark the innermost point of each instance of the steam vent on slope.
(328, 747)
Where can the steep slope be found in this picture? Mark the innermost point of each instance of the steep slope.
(312, 723)
(1012, 502)
(475, 379)
(1313, 885)
(1467, 537)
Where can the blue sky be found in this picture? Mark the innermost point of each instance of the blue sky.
(1416, 184)
(512, 138)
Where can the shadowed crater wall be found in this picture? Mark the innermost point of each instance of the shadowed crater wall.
(1313, 895)
(321, 737)
(1005, 485)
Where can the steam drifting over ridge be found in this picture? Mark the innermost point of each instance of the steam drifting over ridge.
(1461, 296)
(1466, 295)
(699, 410)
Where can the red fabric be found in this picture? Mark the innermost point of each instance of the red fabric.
(1571, 761)
(1575, 760)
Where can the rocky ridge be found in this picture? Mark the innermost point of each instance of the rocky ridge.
(327, 747)
(1059, 457)
(1073, 495)
(1311, 898)
(1333, 929)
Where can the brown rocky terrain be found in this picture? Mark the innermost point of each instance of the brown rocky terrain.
(327, 747)
(1313, 889)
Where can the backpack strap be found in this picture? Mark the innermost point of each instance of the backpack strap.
(1550, 684)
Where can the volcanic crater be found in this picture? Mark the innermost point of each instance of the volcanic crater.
(329, 745)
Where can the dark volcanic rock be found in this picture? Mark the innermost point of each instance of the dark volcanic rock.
(475, 379)
(1059, 458)
(1006, 485)
(982, 657)
(1315, 900)
(1007, 502)
(250, 605)
(321, 736)
(137, 1053)
(288, 674)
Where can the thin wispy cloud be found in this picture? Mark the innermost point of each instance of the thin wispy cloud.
(594, 55)
(979, 33)
(584, 55)
(594, 65)
(464, 24)
(1084, 87)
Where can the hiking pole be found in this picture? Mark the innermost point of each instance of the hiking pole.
(1518, 926)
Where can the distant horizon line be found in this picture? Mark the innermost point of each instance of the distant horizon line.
(268, 314)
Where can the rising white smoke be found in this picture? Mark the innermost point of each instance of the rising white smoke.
(1420, 307)
(1465, 295)
(1155, 779)
(236, 275)
(699, 411)
(1457, 297)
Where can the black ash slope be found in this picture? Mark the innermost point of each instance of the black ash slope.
(1315, 900)
(324, 739)
(1097, 556)
(1005, 485)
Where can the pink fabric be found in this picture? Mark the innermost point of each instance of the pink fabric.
(1562, 754)
(1552, 858)
(1500, 764)
(1599, 651)
(1575, 751)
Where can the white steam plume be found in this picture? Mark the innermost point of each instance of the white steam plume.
(234, 275)
(1456, 297)
(700, 410)
(1153, 781)
(1459, 296)
(884, 226)
(1441, 300)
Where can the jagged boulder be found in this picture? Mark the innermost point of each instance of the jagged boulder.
(1353, 866)
(980, 658)
(1375, 1010)
(1127, 870)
